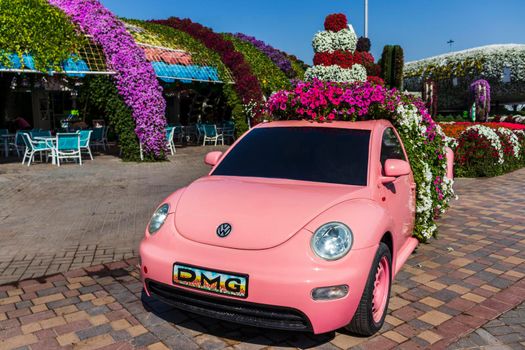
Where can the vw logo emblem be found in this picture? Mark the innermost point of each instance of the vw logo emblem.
(224, 230)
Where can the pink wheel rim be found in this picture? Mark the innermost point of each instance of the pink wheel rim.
(381, 287)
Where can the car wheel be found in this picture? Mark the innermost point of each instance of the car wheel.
(371, 312)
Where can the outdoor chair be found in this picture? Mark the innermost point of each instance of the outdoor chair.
(19, 144)
(170, 132)
(40, 133)
(228, 130)
(97, 138)
(68, 147)
(200, 132)
(211, 135)
(32, 147)
(85, 138)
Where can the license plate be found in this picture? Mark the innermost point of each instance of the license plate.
(220, 282)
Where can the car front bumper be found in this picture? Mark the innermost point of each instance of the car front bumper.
(281, 280)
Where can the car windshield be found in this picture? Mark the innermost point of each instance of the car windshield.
(317, 154)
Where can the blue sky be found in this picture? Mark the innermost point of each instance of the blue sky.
(421, 27)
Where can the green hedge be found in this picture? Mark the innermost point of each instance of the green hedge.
(99, 95)
(269, 75)
(392, 63)
(35, 27)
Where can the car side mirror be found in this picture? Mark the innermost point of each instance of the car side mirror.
(395, 168)
(212, 158)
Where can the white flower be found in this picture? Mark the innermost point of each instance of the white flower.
(516, 148)
(336, 73)
(491, 136)
(328, 41)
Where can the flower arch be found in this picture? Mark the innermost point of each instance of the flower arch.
(135, 78)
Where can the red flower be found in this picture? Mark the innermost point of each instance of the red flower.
(323, 59)
(376, 80)
(335, 22)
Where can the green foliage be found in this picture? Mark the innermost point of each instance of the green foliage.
(169, 37)
(297, 67)
(392, 63)
(386, 64)
(398, 64)
(269, 75)
(100, 95)
(37, 28)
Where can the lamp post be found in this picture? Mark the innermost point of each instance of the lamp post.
(366, 18)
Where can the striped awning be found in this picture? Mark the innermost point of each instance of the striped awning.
(172, 65)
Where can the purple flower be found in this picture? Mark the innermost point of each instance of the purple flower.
(135, 78)
(273, 54)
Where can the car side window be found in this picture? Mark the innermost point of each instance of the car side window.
(391, 147)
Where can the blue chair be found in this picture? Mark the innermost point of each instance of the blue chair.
(228, 130)
(68, 147)
(19, 144)
(32, 147)
(97, 137)
(85, 138)
(40, 133)
(211, 135)
(170, 132)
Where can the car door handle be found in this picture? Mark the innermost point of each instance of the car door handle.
(413, 187)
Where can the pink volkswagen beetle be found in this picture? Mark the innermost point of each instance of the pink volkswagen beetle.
(299, 226)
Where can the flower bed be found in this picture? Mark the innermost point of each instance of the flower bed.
(486, 149)
(324, 101)
(455, 129)
(135, 78)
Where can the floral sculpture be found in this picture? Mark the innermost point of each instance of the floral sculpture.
(424, 141)
(335, 57)
(135, 78)
(273, 54)
(480, 91)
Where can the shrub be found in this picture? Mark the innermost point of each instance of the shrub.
(479, 153)
(511, 149)
(392, 63)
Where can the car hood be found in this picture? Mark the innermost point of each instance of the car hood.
(263, 213)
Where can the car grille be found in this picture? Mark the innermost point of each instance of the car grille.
(243, 312)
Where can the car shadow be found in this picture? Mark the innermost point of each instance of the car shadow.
(194, 324)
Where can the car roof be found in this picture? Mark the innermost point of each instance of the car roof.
(362, 125)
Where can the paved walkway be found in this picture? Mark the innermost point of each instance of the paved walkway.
(507, 332)
(57, 219)
(473, 274)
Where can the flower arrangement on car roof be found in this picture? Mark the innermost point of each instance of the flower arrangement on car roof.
(338, 97)
(336, 58)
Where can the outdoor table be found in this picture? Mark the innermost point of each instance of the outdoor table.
(50, 142)
(6, 138)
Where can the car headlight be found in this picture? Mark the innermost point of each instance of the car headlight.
(332, 241)
(158, 218)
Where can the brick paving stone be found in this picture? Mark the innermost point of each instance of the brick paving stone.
(455, 285)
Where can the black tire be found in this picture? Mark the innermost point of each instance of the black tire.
(363, 321)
